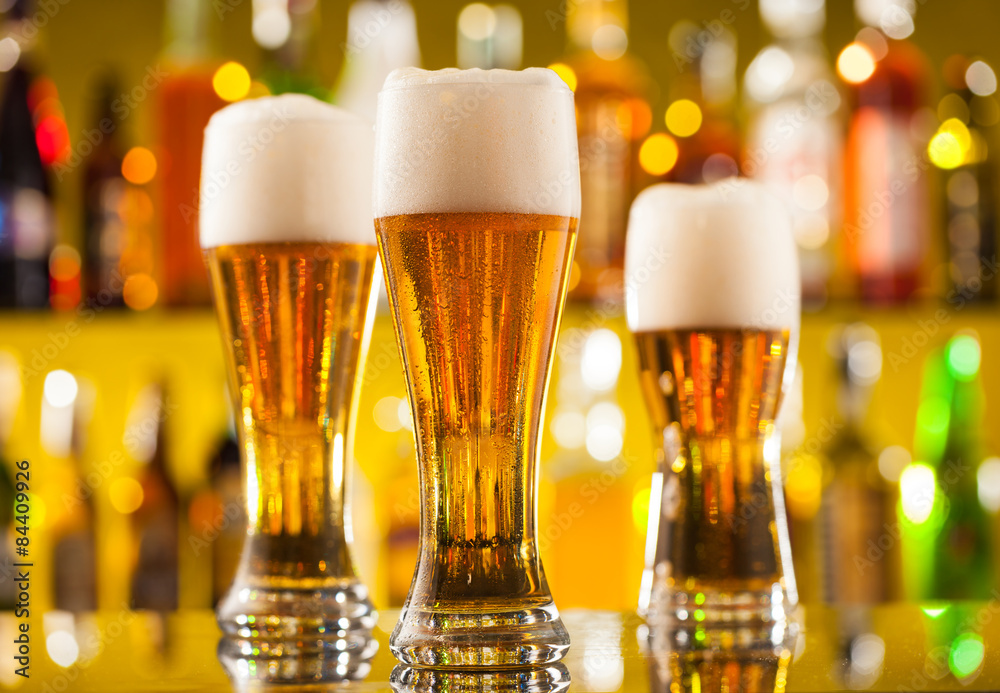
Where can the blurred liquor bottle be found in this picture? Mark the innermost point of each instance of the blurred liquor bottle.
(612, 106)
(381, 37)
(887, 213)
(489, 37)
(950, 552)
(289, 31)
(11, 389)
(187, 100)
(860, 541)
(795, 142)
(701, 109)
(27, 215)
(803, 474)
(155, 522)
(104, 234)
(959, 148)
(67, 407)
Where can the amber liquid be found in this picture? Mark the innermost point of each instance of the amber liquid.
(476, 300)
(714, 393)
(296, 318)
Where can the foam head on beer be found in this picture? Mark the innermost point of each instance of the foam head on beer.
(710, 256)
(476, 141)
(286, 168)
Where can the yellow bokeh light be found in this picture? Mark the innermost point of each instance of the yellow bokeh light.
(139, 166)
(126, 495)
(683, 118)
(257, 90)
(231, 82)
(856, 63)
(958, 129)
(804, 486)
(566, 73)
(658, 154)
(140, 292)
(64, 263)
(945, 151)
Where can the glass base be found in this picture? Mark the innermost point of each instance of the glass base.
(295, 662)
(551, 679)
(473, 640)
(712, 606)
(311, 626)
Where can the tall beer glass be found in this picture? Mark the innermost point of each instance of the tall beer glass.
(716, 329)
(287, 232)
(477, 196)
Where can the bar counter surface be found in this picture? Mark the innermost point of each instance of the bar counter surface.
(896, 647)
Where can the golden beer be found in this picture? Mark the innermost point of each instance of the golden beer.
(290, 245)
(476, 235)
(296, 319)
(720, 389)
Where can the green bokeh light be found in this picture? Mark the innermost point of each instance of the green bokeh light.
(964, 356)
(933, 611)
(966, 656)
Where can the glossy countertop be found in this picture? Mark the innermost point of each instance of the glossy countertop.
(895, 647)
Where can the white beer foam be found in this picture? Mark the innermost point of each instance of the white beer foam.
(476, 141)
(286, 168)
(710, 256)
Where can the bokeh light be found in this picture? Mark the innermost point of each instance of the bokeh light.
(139, 166)
(683, 118)
(609, 42)
(566, 73)
(988, 484)
(10, 51)
(945, 151)
(966, 656)
(126, 495)
(981, 79)
(964, 356)
(856, 63)
(477, 21)
(60, 388)
(658, 154)
(231, 82)
(140, 291)
(917, 488)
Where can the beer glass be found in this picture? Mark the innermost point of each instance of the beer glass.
(286, 228)
(477, 196)
(716, 331)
